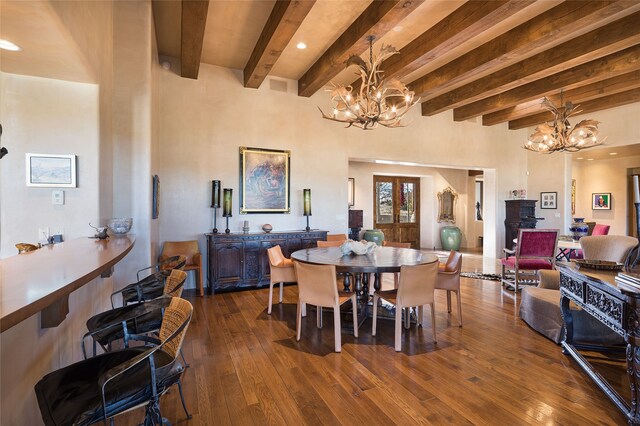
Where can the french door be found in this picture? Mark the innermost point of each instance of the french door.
(396, 209)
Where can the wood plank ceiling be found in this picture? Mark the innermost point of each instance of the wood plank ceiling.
(493, 59)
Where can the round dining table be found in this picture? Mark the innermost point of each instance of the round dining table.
(383, 259)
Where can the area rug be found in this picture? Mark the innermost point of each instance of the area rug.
(479, 276)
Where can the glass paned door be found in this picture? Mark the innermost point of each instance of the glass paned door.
(396, 208)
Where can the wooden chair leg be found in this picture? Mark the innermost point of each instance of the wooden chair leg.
(375, 314)
(433, 321)
(319, 316)
(398, 336)
(304, 310)
(459, 309)
(270, 298)
(298, 320)
(281, 292)
(336, 327)
(449, 301)
(199, 278)
(407, 317)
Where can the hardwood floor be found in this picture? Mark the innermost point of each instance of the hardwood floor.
(247, 368)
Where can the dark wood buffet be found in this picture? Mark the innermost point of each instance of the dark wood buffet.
(239, 261)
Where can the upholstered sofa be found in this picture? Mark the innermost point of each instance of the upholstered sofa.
(540, 306)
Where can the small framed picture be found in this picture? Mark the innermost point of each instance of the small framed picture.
(601, 201)
(548, 200)
(48, 170)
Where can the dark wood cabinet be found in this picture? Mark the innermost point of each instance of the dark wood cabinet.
(240, 261)
(519, 214)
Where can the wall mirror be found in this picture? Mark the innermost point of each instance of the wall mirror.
(447, 199)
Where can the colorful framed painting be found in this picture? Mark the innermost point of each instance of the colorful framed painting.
(264, 180)
(53, 171)
(548, 200)
(601, 201)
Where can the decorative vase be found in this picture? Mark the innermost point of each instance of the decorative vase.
(374, 235)
(578, 228)
(450, 236)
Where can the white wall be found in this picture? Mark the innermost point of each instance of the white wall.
(204, 122)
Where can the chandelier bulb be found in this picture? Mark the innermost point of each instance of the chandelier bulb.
(348, 97)
(393, 108)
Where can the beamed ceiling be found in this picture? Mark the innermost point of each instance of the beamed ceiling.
(492, 59)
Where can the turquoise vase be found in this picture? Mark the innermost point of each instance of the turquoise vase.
(374, 235)
(450, 236)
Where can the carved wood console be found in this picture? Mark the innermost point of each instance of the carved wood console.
(240, 261)
(618, 307)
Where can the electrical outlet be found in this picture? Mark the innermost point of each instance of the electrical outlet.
(57, 197)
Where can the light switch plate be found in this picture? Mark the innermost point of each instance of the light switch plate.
(57, 197)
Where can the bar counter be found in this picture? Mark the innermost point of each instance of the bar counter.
(42, 280)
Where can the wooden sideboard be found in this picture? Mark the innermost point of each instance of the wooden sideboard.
(240, 261)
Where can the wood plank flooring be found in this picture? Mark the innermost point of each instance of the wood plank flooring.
(247, 368)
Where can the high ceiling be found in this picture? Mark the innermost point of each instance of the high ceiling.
(495, 59)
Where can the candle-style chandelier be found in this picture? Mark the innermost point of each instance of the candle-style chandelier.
(378, 100)
(560, 135)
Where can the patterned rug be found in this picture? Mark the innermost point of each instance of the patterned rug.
(479, 276)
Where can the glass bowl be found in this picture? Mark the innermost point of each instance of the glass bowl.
(120, 226)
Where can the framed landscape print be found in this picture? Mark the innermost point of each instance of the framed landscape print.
(264, 180)
(601, 201)
(548, 200)
(53, 171)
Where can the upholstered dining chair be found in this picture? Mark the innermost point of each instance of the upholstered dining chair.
(151, 286)
(282, 271)
(598, 229)
(449, 280)
(99, 388)
(337, 237)
(191, 251)
(317, 285)
(535, 250)
(123, 322)
(335, 243)
(416, 288)
(385, 243)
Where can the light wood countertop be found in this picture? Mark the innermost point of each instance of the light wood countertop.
(34, 281)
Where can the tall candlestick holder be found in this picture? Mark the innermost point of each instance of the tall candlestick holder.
(306, 198)
(215, 202)
(226, 210)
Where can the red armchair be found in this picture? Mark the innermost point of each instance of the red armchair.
(535, 250)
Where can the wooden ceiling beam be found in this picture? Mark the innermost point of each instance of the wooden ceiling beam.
(613, 65)
(549, 28)
(194, 19)
(588, 107)
(378, 19)
(618, 35)
(466, 22)
(609, 86)
(284, 20)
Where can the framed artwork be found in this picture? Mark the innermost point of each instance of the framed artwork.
(54, 171)
(264, 180)
(155, 207)
(548, 200)
(601, 201)
(351, 192)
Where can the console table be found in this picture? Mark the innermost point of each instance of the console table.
(616, 305)
(240, 261)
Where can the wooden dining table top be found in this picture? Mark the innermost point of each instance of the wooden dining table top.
(383, 259)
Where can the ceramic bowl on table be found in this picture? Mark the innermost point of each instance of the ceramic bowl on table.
(120, 226)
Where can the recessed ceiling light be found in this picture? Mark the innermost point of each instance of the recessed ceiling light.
(580, 158)
(613, 153)
(398, 28)
(7, 45)
(589, 159)
(301, 45)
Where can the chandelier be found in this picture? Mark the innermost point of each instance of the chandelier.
(377, 101)
(560, 135)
